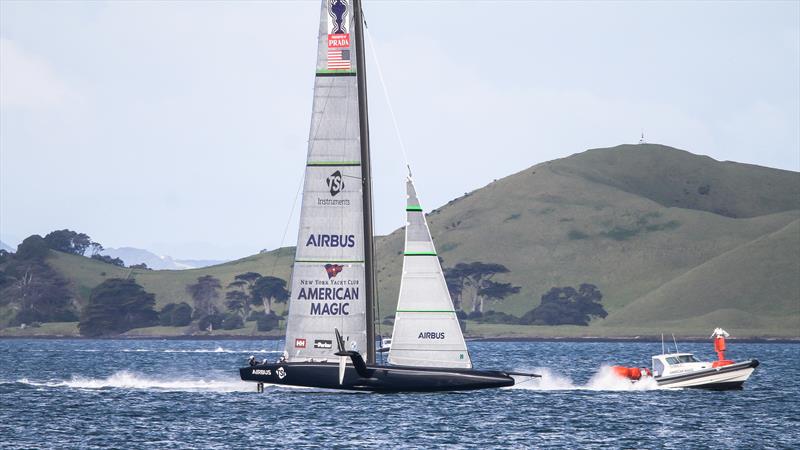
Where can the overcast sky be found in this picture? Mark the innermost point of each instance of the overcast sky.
(181, 127)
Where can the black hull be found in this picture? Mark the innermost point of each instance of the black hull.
(376, 379)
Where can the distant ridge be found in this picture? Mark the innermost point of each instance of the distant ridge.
(131, 255)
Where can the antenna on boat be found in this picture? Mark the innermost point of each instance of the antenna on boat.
(662, 344)
(675, 342)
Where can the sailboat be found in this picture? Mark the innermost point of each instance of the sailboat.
(330, 339)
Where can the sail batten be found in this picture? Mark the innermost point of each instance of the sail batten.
(426, 331)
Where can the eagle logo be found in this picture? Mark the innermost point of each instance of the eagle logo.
(333, 270)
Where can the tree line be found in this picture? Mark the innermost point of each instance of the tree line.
(119, 305)
(36, 293)
(472, 286)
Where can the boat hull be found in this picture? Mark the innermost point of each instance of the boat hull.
(719, 378)
(377, 378)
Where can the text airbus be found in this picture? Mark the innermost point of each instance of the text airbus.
(331, 240)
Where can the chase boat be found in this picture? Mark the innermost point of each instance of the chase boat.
(683, 370)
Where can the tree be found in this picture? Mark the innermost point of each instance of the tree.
(68, 241)
(248, 277)
(211, 322)
(232, 321)
(116, 306)
(175, 315)
(33, 247)
(32, 288)
(142, 266)
(567, 306)
(238, 302)
(267, 322)
(109, 260)
(455, 285)
(495, 291)
(95, 248)
(204, 292)
(474, 281)
(267, 290)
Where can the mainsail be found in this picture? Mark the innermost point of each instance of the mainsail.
(329, 288)
(426, 329)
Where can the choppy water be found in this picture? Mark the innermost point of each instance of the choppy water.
(178, 394)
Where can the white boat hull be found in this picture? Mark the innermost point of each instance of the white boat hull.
(718, 378)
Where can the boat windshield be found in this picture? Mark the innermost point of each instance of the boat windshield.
(687, 358)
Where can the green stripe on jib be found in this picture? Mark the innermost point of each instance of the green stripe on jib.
(414, 208)
(420, 253)
(426, 310)
(333, 163)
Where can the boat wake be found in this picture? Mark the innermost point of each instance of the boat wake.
(205, 350)
(603, 380)
(129, 380)
(218, 349)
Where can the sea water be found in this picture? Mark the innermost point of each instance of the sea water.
(179, 394)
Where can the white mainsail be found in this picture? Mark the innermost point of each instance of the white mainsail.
(426, 329)
(328, 277)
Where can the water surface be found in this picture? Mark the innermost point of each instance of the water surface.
(178, 394)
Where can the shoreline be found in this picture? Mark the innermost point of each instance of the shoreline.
(648, 339)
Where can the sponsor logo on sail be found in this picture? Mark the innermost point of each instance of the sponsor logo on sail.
(328, 293)
(335, 183)
(322, 343)
(329, 301)
(281, 372)
(299, 343)
(431, 335)
(330, 309)
(338, 36)
(331, 240)
(337, 9)
(339, 40)
(333, 269)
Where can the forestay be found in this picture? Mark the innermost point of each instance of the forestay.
(328, 276)
(426, 329)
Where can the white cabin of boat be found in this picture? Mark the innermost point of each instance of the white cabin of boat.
(677, 363)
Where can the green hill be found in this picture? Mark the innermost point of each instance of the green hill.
(676, 242)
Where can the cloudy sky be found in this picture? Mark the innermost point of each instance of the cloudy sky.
(181, 127)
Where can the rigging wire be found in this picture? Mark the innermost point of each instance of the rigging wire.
(399, 136)
(386, 97)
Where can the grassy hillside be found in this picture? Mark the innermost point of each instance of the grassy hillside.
(737, 283)
(168, 285)
(675, 241)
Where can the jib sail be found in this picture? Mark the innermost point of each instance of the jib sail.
(426, 329)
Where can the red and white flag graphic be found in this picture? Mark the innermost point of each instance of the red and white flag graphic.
(338, 59)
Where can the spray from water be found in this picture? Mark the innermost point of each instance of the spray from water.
(603, 380)
(129, 380)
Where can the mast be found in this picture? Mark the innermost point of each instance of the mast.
(363, 122)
